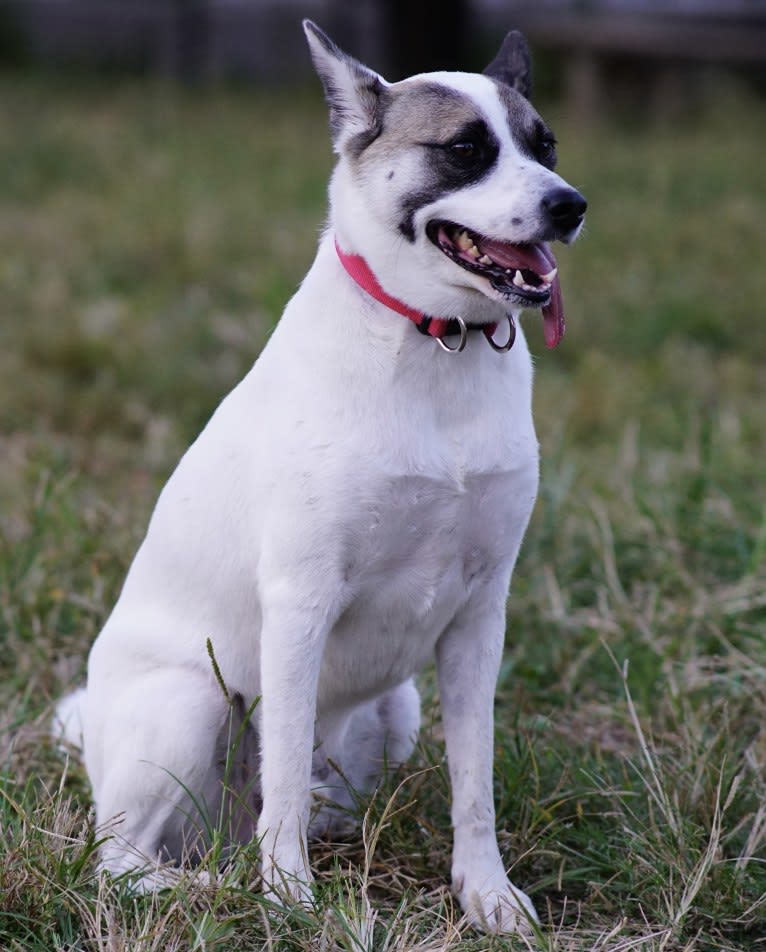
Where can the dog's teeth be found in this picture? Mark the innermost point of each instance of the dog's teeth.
(473, 251)
(548, 278)
(485, 259)
(518, 280)
(463, 241)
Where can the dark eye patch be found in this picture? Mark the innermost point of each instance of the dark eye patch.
(465, 157)
(473, 146)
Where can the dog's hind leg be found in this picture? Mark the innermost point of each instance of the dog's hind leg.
(354, 754)
(382, 735)
(152, 744)
(66, 725)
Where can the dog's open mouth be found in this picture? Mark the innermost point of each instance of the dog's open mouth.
(525, 274)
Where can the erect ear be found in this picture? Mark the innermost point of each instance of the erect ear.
(512, 65)
(352, 90)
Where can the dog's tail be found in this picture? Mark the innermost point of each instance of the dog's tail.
(68, 720)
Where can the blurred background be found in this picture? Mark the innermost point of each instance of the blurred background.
(256, 39)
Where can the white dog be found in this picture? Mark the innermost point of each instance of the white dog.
(354, 507)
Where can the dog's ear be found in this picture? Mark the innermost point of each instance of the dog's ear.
(513, 65)
(352, 90)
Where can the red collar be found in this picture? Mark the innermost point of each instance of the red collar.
(438, 327)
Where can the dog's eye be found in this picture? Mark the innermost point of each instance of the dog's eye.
(545, 152)
(464, 149)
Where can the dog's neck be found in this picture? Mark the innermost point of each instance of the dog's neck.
(438, 327)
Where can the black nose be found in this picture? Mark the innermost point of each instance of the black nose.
(565, 208)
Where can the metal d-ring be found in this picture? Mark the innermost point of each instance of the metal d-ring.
(461, 343)
(504, 348)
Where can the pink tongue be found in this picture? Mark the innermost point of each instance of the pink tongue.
(538, 258)
(553, 316)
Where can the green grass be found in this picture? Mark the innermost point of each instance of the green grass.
(148, 241)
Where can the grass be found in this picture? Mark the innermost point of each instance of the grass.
(148, 240)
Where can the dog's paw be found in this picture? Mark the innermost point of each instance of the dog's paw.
(331, 822)
(497, 906)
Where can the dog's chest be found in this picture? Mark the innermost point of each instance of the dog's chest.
(419, 530)
(422, 548)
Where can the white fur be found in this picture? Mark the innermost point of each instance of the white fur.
(353, 508)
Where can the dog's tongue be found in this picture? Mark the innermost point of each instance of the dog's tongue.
(540, 259)
(554, 324)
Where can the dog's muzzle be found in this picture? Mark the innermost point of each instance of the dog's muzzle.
(523, 274)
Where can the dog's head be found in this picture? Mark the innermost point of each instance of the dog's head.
(445, 184)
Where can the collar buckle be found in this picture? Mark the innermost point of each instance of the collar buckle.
(502, 348)
(461, 343)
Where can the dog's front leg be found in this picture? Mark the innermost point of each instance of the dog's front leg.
(468, 660)
(291, 654)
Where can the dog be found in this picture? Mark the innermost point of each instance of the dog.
(354, 507)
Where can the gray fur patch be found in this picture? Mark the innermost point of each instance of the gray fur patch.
(423, 112)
